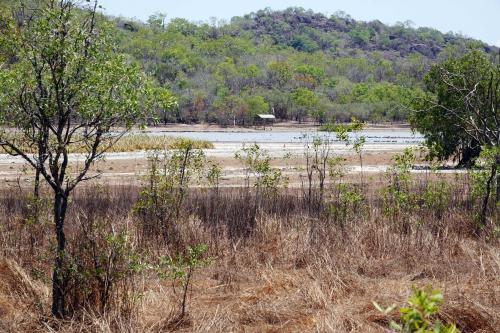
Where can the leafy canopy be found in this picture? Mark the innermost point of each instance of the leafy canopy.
(460, 112)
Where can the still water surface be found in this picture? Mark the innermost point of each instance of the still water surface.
(372, 136)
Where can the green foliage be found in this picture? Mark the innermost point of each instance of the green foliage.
(257, 163)
(279, 72)
(398, 197)
(458, 115)
(319, 163)
(419, 315)
(484, 180)
(314, 72)
(346, 197)
(305, 101)
(213, 176)
(64, 85)
(166, 187)
(481, 172)
(361, 36)
(256, 105)
(436, 195)
(186, 143)
(304, 43)
(178, 267)
(157, 21)
(181, 268)
(346, 200)
(103, 263)
(275, 52)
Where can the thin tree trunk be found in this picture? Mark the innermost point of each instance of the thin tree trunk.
(36, 188)
(486, 199)
(58, 283)
(185, 292)
(498, 181)
(497, 197)
(36, 209)
(361, 171)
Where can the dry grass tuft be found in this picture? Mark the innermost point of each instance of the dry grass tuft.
(21, 298)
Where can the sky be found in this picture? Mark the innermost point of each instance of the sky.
(473, 18)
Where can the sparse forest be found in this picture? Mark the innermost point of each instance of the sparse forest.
(340, 67)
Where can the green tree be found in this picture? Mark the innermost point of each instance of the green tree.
(231, 109)
(310, 73)
(256, 105)
(461, 113)
(279, 72)
(419, 316)
(157, 21)
(360, 35)
(66, 88)
(303, 42)
(305, 101)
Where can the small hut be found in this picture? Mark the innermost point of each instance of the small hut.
(264, 119)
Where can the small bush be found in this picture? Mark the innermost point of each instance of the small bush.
(419, 316)
(181, 268)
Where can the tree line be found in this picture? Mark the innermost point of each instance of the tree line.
(294, 63)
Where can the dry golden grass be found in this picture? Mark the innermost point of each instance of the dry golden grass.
(131, 143)
(293, 274)
(137, 142)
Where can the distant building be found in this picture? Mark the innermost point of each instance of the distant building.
(264, 119)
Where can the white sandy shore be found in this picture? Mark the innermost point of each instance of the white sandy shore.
(228, 149)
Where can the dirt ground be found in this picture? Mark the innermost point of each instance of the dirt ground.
(130, 167)
(289, 157)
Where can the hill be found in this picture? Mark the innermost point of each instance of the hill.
(296, 63)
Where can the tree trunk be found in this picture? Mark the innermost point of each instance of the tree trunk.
(58, 283)
(35, 212)
(361, 171)
(486, 199)
(497, 164)
(36, 197)
(469, 154)
(497, 197)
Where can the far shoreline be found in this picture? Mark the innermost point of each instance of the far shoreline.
(277, 127)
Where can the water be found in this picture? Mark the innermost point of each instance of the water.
(372, 136)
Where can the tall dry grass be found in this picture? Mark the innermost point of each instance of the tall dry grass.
(131, 143)
(276, 267)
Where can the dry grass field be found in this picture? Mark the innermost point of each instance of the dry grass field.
(276, 266)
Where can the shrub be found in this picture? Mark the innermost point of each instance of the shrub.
(167, 182)
(181, 268)
(397, 196)
(419, 315)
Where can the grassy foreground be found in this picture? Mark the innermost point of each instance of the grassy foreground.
(275, 267)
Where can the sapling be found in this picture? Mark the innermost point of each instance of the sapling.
(168, 179)
(181, 268)
(317, 152)
(397, 196)
(356, 142)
